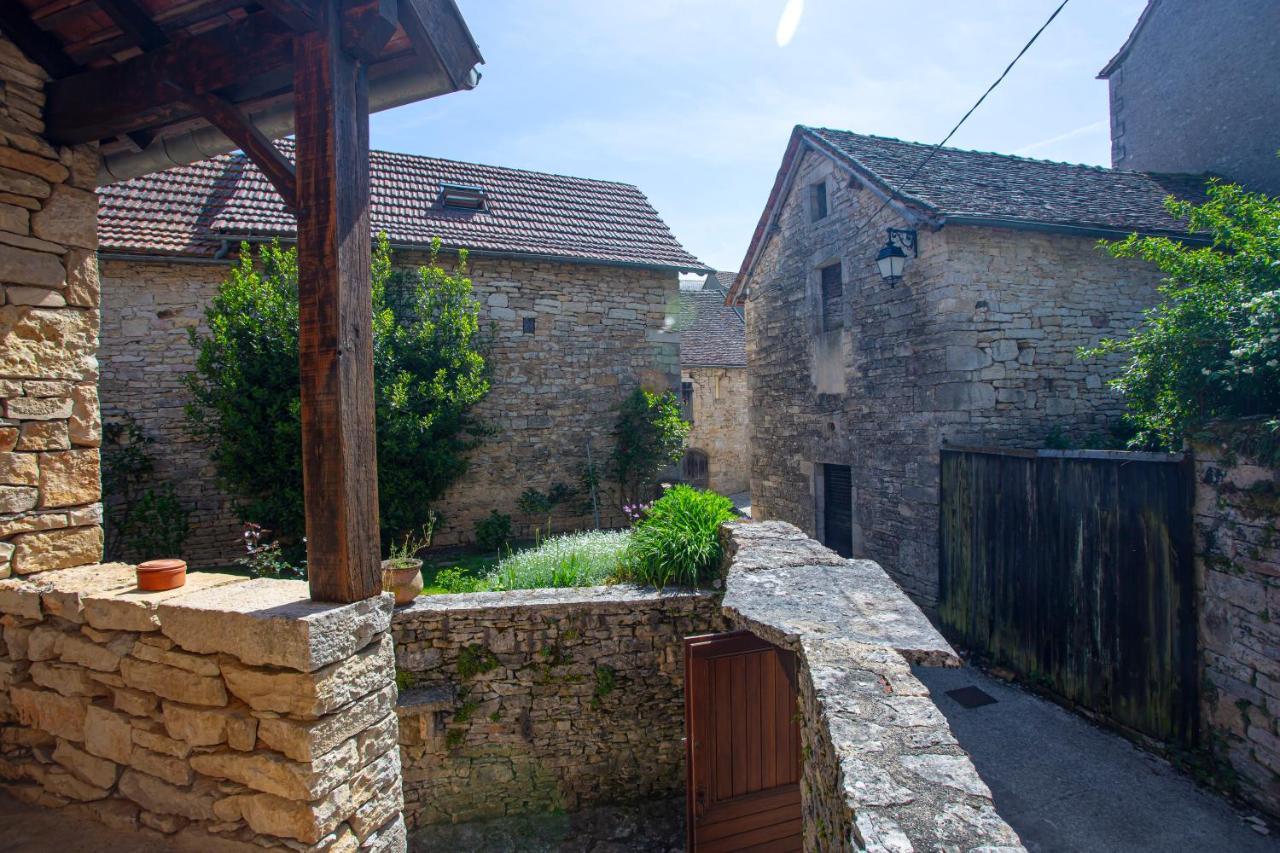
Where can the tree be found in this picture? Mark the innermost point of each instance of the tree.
(1211, 348)
(649, 436)
(429, 370)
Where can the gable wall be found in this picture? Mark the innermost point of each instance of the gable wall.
(975, 345)
(599, 333)
(719, 428)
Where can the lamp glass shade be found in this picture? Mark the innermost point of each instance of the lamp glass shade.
(891, 261)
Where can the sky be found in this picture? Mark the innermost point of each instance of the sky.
(693, 100)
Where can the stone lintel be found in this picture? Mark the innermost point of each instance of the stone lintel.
(273, 622)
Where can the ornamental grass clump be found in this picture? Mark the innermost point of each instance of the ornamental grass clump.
(677, 541)
(577, 559)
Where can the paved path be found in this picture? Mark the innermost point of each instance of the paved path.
(1066, 785)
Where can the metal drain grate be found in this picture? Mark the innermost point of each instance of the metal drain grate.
(971, 697)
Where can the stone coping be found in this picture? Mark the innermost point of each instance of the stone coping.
(260, 621)
(567, 598)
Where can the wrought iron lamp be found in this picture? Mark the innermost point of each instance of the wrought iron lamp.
(892, 259)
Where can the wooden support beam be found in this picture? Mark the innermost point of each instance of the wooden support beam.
(40, 47)
(367, 26)
(437, 35)
(335, 323)
(229, 119)
(301, 16)
(134, 22)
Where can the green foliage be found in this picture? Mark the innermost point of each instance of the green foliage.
(1211, 348)
(493, 532)
(606, 682)
(455, 738)
(455, 580)
(678, 539)
(429, 371)
(577, 559)
(475, 660)
(649, 436)
(144, 520)
(405, 679)
(404, 552)
(264, 558)
(536, 503)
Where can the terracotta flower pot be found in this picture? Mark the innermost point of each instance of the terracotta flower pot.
(404, 580)
(159, 575)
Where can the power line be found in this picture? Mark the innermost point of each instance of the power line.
(934, 150)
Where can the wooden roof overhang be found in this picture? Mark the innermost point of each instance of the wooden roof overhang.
(159, 83)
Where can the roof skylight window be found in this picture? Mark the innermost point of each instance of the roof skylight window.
(462, 197)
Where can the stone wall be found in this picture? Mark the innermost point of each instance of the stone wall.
(882, 770)
(543, 700)
(50, 515)
(229, 714)
(976, 345)
(1238, 562)
(598, 333)
(720, 425)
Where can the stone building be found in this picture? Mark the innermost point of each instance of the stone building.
(1196, 92)
(576, 278)
(856, 382)
(713, 387)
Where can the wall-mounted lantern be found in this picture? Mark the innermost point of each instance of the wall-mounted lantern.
(892, 259)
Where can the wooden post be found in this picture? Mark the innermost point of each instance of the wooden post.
(335, 323)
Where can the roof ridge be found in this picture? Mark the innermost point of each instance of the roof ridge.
(1019, 157)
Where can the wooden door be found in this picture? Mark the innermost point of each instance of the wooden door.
(743, 745)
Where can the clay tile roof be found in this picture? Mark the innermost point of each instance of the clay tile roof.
(711, 333)
(190, 210)
(958, 184)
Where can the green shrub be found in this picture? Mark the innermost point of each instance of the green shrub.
(677, 541)
(493, 533)
(429, 371)
(144, 519)
(577, 559)
(649, 436)
(1211, 348)
(456, 580)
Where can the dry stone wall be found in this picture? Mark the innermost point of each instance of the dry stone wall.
(50, 514)
(719, 428)
(229, 714)
(597, 333)
(546, 699)
(1238, 562)
(976, 345)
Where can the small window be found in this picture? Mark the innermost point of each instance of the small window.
(832, 298)
(530, 325)
(686, 401)
(818, 201)
(462, 197)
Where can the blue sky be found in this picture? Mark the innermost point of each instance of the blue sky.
(693, 100)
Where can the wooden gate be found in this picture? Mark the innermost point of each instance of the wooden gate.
(1074, 569)
(743, 745)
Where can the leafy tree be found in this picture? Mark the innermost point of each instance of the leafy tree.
(1211, 348)
(649, 436)
(144, 519)
(429, 370)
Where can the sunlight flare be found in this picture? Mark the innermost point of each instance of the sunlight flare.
(789, 21)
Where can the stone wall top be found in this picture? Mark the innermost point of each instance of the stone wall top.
(548, 600)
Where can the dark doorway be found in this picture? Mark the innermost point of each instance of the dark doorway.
(743, 745)
(694, 468)
(837, 509)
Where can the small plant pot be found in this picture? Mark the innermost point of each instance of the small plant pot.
(402, 579)
(160, 575)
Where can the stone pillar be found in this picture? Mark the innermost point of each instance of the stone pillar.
(229, 714)
(50, 510)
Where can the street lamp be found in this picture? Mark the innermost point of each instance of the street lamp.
(892, 259)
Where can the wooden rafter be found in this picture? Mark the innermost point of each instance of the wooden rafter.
(436, 37)
(134, 22)
(37, 44)
(229, 119)
(301, 16)
(368, 26)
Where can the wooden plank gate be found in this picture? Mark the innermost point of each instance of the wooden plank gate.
(742, 745)
(1075, 570)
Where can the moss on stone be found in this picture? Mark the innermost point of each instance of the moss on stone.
(475, 660)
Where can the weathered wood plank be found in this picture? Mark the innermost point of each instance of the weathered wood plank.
(41, 47)
(434, 29)
(228, 118)
(335, 318)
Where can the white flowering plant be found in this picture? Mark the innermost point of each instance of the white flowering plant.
(1211, 348)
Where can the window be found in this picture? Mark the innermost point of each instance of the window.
(832, 298)
(818, 201)
(686, 401)
(462, 197)
(530, 325)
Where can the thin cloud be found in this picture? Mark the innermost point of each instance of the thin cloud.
(1085, 130)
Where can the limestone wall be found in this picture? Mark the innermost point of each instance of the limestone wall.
(1238, 564)
(547, 699)
(230, 714)
(50, 515)
(598, 333)
(976, 345)
(720, 399)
